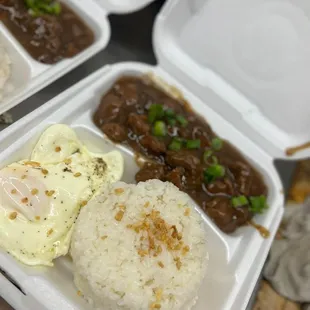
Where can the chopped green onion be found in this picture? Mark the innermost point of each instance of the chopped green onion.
(159, 129)
(193, 144)
(182, 120)
(56, 8)
(206, 155)
(34, 12)
(172, 122)
(179, 139)
(175, 145)
(169, 113)
(258, 204)
(213, 172)
(215, 161)
(156, 112)
(30, 3)
(239, 201)
(38, 7)
(216, 144)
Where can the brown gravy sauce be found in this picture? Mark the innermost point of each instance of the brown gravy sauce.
(123, 116)
(47, 38)
(264, 232)
(293, 150)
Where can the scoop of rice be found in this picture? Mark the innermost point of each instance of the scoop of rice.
(5, 71)
(139, 247)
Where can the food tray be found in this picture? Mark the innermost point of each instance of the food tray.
(235, 260)
(242, 111)
(29, 76)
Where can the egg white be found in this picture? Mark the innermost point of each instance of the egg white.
(57, 135)
(40, 198)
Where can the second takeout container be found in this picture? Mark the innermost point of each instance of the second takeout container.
(200, 46)
(29, 76)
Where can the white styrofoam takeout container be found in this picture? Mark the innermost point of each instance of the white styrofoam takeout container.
(29, 76)
(235, 260)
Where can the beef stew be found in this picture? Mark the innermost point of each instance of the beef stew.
(48, 38)
(181, 147)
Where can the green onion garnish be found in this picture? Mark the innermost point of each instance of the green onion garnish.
(169, 113)
(213, 172)
(156, 112)
(57, 8)
(239, 201)
(38, 7)
(159, 129)
(258, 204)
(215, 161)
(179, 139)
(206, 155)
(182, 120)
(216, 144)
(193, 144)
(172, 122)
(175, 145)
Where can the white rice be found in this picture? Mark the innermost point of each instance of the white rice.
(109, 268)
(5, 72)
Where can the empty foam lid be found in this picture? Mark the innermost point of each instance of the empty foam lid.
(248, 59)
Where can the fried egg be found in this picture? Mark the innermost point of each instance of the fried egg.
(40, 197)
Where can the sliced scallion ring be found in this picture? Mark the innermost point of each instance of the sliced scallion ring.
(182, 120)
(193, 144)
(175, 145)
(156, 112)
(216, 144)
(206, 155)
(239, 201)
(213, 172)
(159, 129)
(258, 204)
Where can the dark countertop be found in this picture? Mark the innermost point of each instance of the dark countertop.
(131, 41)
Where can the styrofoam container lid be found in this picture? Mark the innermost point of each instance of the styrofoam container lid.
(254, 54)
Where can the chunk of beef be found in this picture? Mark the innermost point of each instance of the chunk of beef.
(223, 186)
(193, 179)
(109, 109)
(153, 144)
(150, 171)
(138, 124)
(115, 132)
(243, 215)
(222, 213)
(243, 177)
(258, 186)
(183, 159)
(127, 90)
(175, 177)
